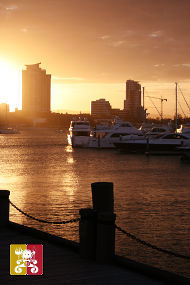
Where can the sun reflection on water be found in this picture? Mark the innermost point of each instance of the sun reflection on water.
(69, 148)
(70, 160)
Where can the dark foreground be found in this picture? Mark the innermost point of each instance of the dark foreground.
(62, 263)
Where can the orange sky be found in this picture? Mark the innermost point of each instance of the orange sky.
(92, 47)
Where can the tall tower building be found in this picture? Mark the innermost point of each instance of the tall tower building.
(132, 104)
(4, 111)
(36, 89)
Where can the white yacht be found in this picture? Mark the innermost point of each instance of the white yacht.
(157, 131)
(79, 133)
(106, 138)
(167, 143)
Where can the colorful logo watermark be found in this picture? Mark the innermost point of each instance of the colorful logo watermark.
(26, 259)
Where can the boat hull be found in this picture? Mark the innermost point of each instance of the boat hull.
(185, 154)
(149, 147)
(78, 141)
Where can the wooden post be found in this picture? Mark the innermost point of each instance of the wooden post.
(4, 207)
(105, 243)
(87, 233)
(103, 204)
(98, 141)
(147, 146)
(102, 196)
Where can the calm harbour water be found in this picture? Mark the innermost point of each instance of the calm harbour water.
(51, 181)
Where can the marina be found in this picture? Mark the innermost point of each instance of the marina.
(127, 138)
(81, 134)
(51, 180)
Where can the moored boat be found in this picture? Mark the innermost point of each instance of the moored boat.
(155, 131)
(82, 135)
(106, 138)
(79, 133)
(163, 144)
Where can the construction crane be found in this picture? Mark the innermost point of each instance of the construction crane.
(161, 100)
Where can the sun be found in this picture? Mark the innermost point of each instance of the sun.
(10, 84)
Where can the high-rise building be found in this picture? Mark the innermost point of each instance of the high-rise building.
(36, 89)
(4, 111)
(132, 104)
(101, 109)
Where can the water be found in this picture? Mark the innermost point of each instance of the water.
(51, 181)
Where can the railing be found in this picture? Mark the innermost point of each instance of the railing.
(151, 245)
(43, 221)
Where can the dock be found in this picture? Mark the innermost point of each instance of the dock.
(62, 263)
(68, 262)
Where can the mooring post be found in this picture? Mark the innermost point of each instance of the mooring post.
(87, 233)
(103, 204)
(147, 146)
(4, 207)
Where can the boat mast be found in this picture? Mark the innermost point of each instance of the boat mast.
(176, 106)
(144, 115)
(161, 100)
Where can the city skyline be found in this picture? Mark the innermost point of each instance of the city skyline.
(92, 48)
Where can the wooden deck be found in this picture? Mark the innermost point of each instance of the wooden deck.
(62, 265)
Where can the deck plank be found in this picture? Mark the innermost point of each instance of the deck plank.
(64, 266)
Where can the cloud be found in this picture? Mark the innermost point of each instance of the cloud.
(155, 34)
(182, 65)
(186, 64)
(159, 65)
(117, 43)
(127, 44)
(11, 8)
(4, 9)
(105, 37)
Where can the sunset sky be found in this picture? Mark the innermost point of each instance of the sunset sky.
(91, 47)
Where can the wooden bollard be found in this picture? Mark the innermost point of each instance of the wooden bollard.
(4, 207)
(105, 243)
(147, 146)
(102, 196)
(103, 204)
(87, 233)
